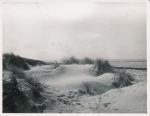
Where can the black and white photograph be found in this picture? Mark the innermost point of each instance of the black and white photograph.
(74, 56)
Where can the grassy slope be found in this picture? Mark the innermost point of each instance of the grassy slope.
(21, 93)
(11, 60)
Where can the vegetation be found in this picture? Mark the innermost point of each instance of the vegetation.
(123, 79)
(14, 100)
(87, 60)
(21, 93)
(10, 61)
(101, 67)
(71, 60)
(56, 64)
(17, 99)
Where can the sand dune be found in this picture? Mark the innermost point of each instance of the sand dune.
(69, 79)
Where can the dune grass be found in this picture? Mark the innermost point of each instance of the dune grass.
(74, 60)
(18, 99)
(87, 60)
(20, 93)
(11, 60)
(102, 66)
(122, 79)
(71, 60)
(14, 100)
(56, 64)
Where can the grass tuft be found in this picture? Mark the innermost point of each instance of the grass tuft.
(101, 67)
(123, 79)
(87, 60)
(71, 60)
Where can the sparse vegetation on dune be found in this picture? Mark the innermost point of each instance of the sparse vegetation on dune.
(20, 93)
(87, 60)
(13, 99)
(56, 64)
(11, 60)
(71, 60)
(74, 60)
(122, 79)
(101, 66)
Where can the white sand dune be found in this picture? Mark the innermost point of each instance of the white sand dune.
(131, 99)
(71, 77)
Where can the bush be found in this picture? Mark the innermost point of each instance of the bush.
(122, 79)
(101, 67)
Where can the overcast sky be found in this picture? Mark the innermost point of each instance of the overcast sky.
(54, 29)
